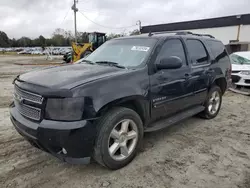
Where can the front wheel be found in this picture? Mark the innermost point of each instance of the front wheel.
(119, 137)
(213, 103)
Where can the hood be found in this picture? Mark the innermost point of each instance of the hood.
(236, 67)
(69, 76)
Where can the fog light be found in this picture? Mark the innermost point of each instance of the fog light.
(64, 151)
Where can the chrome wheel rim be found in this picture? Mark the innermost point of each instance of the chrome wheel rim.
(123, 139)
(214, 103)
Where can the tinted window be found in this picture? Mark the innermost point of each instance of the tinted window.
(173, 47)
(218, 50)
(197, 52)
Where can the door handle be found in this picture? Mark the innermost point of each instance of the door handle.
(187, 75)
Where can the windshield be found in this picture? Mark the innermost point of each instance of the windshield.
(236, 59)
(124, 52)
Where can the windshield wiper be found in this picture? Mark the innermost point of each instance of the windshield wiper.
(110, 63)
(87, 61)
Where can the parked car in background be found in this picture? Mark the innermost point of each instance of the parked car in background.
(23, 52)
(37, 52)
(63, 51)
(240, 68)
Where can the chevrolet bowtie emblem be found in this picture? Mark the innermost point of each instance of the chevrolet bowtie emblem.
(18, 98)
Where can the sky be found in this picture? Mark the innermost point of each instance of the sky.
(32, 18)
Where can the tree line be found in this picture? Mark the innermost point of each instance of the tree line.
(60, 37)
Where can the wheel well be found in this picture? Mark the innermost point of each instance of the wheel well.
(137, 105)
(222, 83)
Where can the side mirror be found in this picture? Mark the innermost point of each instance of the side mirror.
(172, 62)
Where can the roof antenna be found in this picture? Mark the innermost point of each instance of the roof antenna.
(150, 34)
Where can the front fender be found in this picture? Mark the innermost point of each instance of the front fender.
(97, 94)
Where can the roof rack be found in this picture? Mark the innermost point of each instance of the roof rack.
(196, 34)
(182, 33)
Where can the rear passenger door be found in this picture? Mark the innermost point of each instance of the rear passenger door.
(200, 68)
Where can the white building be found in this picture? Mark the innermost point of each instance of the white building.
(233, 31)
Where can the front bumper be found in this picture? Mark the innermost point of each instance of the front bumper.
(241, 79)
(55, 137)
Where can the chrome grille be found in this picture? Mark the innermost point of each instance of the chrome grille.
(28, 111)
(31, 109)
(32, 97)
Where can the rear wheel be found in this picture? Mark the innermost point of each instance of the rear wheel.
(213, 103)
(119, 136)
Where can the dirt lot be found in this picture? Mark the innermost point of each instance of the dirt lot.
(194, 153)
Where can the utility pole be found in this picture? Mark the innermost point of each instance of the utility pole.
(75, 10)
(238, 33)
(139, 24)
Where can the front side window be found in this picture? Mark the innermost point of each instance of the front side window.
(124, 52)
(173, 47)
(197, 52)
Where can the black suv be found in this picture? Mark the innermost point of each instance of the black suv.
(101, 106)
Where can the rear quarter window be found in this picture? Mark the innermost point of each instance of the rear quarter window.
(218, 50)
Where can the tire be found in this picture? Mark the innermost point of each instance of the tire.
(104, 139)
(85, 54)
(67, 58)
(208, 113)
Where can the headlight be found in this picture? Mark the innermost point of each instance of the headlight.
(66, 109)
(245, 72)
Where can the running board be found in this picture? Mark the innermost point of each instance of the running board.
(174, 119)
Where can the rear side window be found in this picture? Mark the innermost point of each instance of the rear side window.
(173, 47)
(197, 52)
(218, 50)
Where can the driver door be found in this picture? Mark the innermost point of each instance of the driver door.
(171, 89)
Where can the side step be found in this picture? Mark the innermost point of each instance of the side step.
(161, 124)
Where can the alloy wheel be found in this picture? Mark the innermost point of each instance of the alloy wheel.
(214, 103)
(123, 139)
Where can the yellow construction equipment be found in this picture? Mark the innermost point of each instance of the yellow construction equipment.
(80, 50)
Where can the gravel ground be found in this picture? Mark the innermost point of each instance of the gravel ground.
(193, 153)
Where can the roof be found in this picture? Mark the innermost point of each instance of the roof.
(199, 24)
(98, 33)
